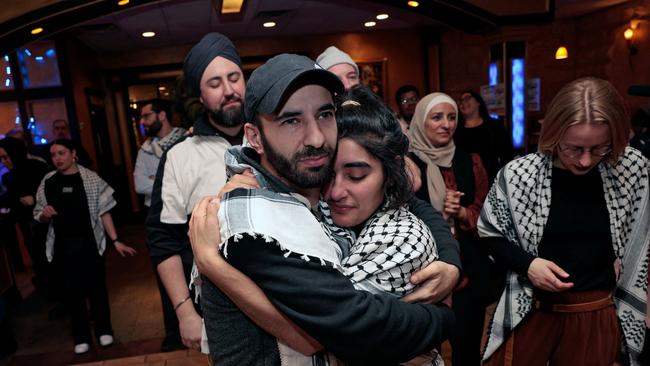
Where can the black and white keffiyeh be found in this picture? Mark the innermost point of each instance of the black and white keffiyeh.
(100, 200)
(517, 208)
(157, 146)
(392, 245)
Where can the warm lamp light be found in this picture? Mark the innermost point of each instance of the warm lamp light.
(123, 2)
(413, 4)
(37, 30)
(628, 34)
(561, 53)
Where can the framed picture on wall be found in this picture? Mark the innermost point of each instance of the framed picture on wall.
(373, 74)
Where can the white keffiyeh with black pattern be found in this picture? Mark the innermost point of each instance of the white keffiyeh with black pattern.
(517, 208)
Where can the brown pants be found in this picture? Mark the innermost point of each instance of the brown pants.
(546, 337)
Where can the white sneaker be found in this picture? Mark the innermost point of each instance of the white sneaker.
(106, 340)
(81, 348)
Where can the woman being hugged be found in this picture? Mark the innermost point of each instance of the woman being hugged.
(76, 202)
(571, 222)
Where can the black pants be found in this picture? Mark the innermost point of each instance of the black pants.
(82, 275)
(465, 340)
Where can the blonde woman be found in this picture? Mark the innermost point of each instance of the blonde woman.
(571, 222)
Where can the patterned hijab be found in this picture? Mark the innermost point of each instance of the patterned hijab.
(422, 147)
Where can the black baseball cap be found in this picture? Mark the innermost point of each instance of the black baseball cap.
(269, 84)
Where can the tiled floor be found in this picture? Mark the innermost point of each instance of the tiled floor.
(135, 310)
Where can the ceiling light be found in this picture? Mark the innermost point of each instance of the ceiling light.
(161, 88)
(370, 24)
(413, 4)
(628, 34)
(37, 30)
(148, 34)
(269, 24)
(123, 2)
(231, 6)
(382, 16)
(561, 53)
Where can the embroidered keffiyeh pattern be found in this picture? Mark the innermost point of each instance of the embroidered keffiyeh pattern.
(517, 209)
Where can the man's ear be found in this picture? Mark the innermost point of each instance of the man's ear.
(162, 115)
(254, 137)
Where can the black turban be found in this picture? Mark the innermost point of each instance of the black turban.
(197, 60)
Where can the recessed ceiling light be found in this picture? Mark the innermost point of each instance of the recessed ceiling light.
(413, 4)
(148, 34)
(37, 30)
(123, 2)
(382, 16)
(269, 24)
(370, 24)
(161, 88)
(231, 6)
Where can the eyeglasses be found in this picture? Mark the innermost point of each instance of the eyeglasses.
(576, 151)
(146, 115)
(409, 100)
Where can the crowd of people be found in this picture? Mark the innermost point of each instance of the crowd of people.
(406, 225)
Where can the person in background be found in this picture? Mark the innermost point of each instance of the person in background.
(571, 223)
(479, 133)
(456, 184)
(340, 64)
(75, 202)
(155, 117)
(61, 130)
(641, 131)
(194, 167)
(406, 97)
(21, 183)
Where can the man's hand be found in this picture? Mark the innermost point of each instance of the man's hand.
(124, 249)
(191, 325)
(547, 275)
(435, 282)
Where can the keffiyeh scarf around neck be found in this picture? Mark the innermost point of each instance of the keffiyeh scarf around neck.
(517, 208)
(158, 146)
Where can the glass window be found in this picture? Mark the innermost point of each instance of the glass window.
(6, 74)
(38, 65)
(42, 112)
(9, 117)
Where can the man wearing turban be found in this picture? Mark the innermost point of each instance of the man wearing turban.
(194, 167)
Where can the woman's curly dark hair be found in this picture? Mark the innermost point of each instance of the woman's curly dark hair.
(364, 118)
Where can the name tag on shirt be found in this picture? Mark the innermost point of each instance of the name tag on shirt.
(67, 190)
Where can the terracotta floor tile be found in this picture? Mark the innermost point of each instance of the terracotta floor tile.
(135, 360)
(190, 361)
(167, 355)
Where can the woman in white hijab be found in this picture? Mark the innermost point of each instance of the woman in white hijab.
(456, 184)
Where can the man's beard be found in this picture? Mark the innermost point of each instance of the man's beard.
(230, 117)
(288, 169)
(152, 131)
